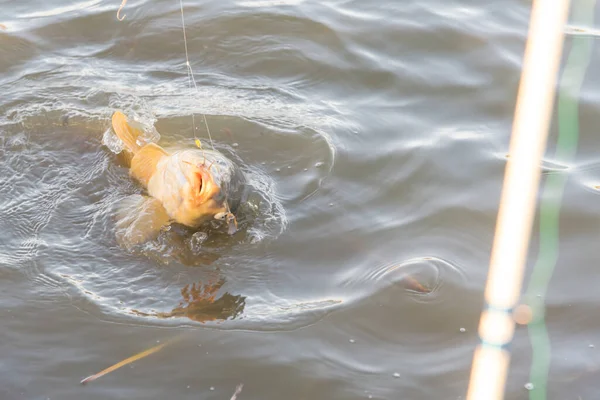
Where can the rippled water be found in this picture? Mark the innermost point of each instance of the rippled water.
(374, 135)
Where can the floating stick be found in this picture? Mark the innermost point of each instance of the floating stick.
(129, 360)
(238, 390)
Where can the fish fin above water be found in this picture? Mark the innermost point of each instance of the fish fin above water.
(143, 163)
(126, 132)
(139, 219)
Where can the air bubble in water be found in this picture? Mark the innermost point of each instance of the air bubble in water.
(529, 386)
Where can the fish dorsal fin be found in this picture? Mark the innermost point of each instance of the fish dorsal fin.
(127, 133)
(143, 163)
(139, 219)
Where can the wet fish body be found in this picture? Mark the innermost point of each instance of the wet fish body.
(188, 186)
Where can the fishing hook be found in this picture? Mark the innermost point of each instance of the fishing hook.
(119, 11)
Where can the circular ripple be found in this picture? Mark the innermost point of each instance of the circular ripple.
(62, 222)
(423, 278)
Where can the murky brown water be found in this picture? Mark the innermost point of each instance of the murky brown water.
(374, 135)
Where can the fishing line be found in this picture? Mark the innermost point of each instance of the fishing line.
(228, 216)
(191, 79)
(566, 148)
(190, 72)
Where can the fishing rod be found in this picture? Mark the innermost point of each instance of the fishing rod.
(518, 199)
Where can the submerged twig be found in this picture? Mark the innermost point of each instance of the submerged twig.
(119, 11)
(238, 390)
(129, 360)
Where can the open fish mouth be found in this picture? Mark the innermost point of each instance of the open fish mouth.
(207, 182)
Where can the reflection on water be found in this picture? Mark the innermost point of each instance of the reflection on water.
(200, 304)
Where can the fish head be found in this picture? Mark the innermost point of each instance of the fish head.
(205, 196)
(202, 195)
